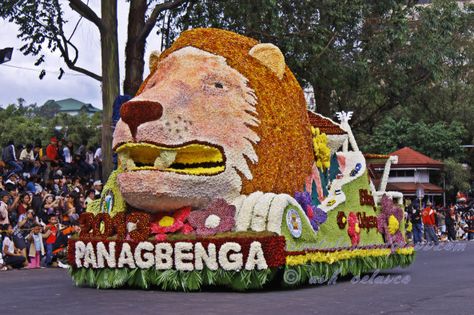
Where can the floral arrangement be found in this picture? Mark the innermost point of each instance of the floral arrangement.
(165, 224)
(315, 215)
(322, 152)
(216, 218)
(353, 229)
(224, 206)
(389, 221)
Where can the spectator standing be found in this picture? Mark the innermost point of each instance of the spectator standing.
(450, 220)
(51, 156)
(52, 228)
(417, 226)
(36, 248)
(429, 221)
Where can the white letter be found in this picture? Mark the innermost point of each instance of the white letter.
(234, 261)
(201, 256)
(148, 260)
(80, 252)
(103, 254)
(126, 256)
(163, 260)
(89, 258)
(183, 251)
(256, 257)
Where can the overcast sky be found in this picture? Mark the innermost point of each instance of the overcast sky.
(16, 83)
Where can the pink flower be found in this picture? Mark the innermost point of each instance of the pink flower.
(216, 218)
(165, 224)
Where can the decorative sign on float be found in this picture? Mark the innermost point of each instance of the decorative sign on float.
(220, 182)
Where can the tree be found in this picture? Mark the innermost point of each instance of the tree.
(376, 58)
(26, 124)
(438, 140)
(41, 22)
(457, 177)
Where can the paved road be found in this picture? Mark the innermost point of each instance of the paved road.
(439, 282)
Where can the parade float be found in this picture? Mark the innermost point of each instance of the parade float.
(225, 179)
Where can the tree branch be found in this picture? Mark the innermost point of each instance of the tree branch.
(151, 21)
(71, 65)
(85, 11)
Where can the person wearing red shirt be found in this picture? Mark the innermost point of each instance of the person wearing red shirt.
(52, 229)
(52, 150)
(52, 156)
(429, 221)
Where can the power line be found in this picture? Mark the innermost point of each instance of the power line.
(47, 71)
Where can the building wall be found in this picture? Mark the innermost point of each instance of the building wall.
(420, 176)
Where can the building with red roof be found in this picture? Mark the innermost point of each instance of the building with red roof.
(411, 174)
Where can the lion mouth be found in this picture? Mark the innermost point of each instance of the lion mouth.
(189, 159)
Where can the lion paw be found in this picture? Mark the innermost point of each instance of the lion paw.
(261, 211)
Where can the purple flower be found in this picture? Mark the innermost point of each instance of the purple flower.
(216, 218)
(389, 209)
(315, 215)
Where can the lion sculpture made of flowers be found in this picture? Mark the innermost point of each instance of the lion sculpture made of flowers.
(223, 180)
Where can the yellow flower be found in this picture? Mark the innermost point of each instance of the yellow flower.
(357, 228)
(393, 224)
(166, 221)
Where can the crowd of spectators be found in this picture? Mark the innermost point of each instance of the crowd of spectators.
(42, 193)
(432, 224)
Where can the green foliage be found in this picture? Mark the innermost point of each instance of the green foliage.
(457, 176)
(330, 235)
(171, 280)
(437, 140)
(25, 124)
(325, 273)
(377, 58)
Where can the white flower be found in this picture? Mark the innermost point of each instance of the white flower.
(148, 259)
(202, 257)
(260, 212)
(126, 257)
(233, 261)
(104, 255)
(89, 257)
(244, 216)
(256, 257)
(183, 256)
(212, 221)
(79, 252)
(131, 227)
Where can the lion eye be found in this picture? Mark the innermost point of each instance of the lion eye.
(218, 85)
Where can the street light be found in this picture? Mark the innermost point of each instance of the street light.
(6, 54)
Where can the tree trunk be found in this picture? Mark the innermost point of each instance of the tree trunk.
(323, 100)
(135, 49)
(110, 79)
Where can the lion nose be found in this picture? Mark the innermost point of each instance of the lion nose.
(135, 113)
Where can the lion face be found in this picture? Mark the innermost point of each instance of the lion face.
(188, 137)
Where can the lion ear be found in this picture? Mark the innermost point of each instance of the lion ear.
(271, 56)
(154, 57)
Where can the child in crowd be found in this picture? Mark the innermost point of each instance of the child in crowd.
(36, 250)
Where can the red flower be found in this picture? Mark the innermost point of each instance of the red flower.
(165, 224)
(353, 229)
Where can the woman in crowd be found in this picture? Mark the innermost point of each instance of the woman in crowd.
(25, 204)
(12, 256)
